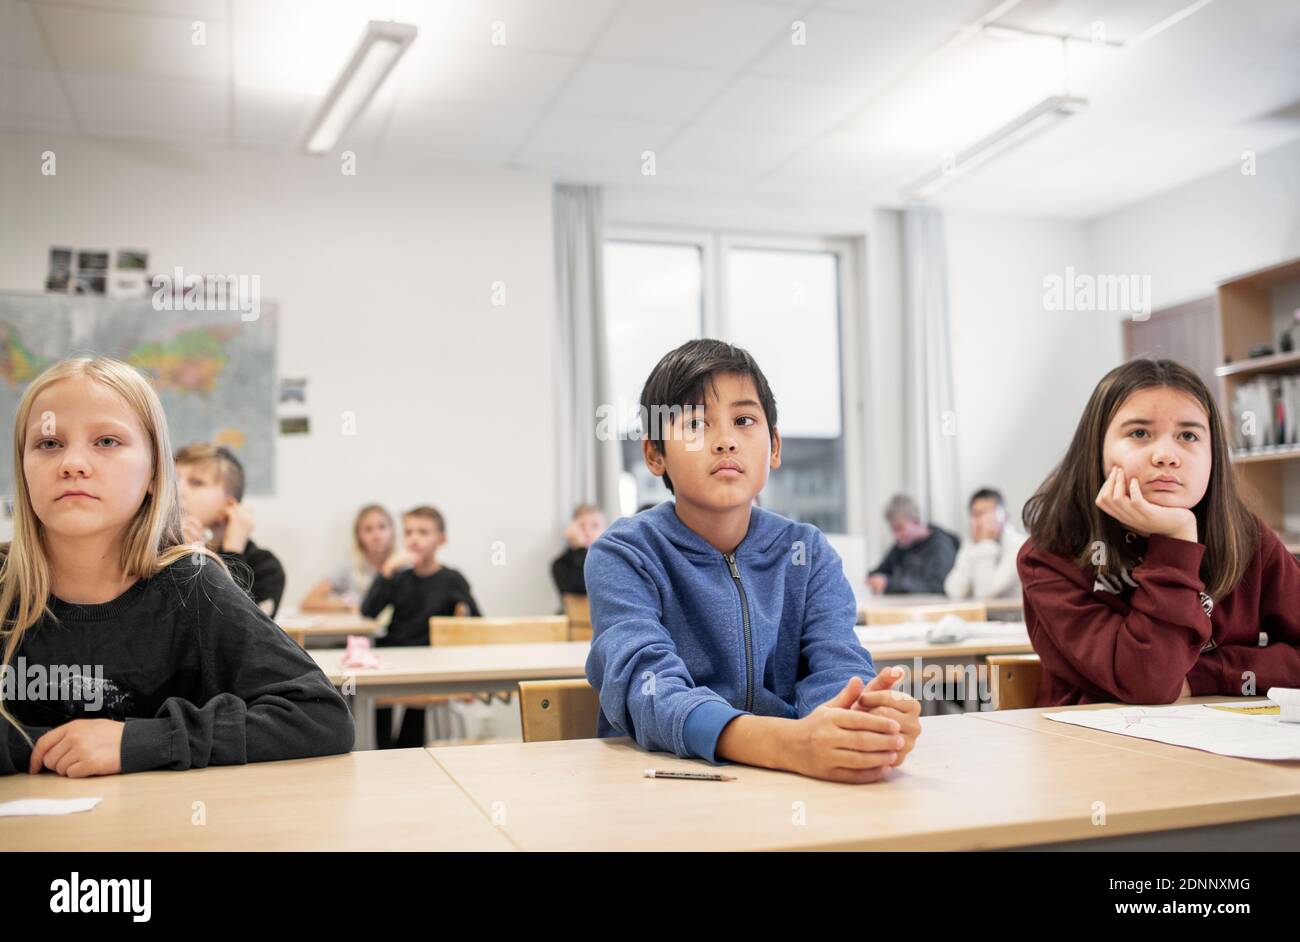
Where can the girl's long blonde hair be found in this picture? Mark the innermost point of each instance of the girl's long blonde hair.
(152, 540)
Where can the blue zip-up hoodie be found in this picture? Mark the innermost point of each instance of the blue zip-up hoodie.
(685, 639)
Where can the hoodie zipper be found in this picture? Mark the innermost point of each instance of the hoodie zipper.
(749, 648)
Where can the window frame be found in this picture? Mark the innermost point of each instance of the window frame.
(713, 246)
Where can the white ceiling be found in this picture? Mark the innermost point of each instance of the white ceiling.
(715, 88)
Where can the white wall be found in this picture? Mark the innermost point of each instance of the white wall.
(384, 284)
(1220, 226)
(1022, 374)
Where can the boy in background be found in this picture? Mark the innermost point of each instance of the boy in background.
(418, 587)
(210, 484)
(585, 528)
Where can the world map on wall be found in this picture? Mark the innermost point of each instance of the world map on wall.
(214, 372)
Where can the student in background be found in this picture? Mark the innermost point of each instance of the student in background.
(211, 484)
(1145, 577)
(587, 525)
(986, 564)
(721, 630)
(180, 669)
(418, 587)
(374, 538)
(921, 557)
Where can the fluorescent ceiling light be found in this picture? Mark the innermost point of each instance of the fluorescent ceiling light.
(1046, 114)
(379, 50)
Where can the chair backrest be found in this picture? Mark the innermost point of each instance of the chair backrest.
(1013, 680)
(577, 608)
(558, 709)
(890, 615)
(536, 630)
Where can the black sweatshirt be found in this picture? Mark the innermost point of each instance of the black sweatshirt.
(199, 673)
(415, 599)
(567, 571)
(922, 567)
(258, 572)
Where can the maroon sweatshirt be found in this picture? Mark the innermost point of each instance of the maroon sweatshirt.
(1136, 645)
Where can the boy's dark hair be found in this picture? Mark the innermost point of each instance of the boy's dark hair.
(682, 377)
(230, 470)
(987, 493)
(428, 513)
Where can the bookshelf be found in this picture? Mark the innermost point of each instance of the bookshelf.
(1254, 310)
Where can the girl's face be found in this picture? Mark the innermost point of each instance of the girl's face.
(1161, 438)
(375, 533)
(87, 460)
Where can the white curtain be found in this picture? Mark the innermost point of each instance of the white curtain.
(932, 417)
(588, 467)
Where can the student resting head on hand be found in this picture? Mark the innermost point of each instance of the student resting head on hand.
(1146, 578)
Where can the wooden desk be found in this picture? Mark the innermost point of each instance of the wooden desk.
(1001, 609)
(468, 668)
(969, 785)
(473, 668)
(392, 800)
(302, 626)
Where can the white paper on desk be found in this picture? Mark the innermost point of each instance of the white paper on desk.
(46, 806)
(1193, 726)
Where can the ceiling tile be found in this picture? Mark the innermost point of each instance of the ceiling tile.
(103, 42)
(598, 139)
(717, 35)
(743, 153)
(780, 106)
(560, 26)
(861, 52)
(110, 104)
(469, 132)
(20, 41)
(630, 90)
(505, 77)
(32, 98)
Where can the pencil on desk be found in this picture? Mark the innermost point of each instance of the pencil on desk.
(691, 776)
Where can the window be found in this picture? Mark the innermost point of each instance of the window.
(780, 299)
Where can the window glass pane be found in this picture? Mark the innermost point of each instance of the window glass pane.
(784, 308)
(654, 301)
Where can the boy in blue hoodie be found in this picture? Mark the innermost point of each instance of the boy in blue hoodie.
(723, 631)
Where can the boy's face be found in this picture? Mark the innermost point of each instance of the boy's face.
(202, 494)
(589, 526)
(1161, 438)
(987, 517)
(718, 456)
(87, 461)
(422, 537)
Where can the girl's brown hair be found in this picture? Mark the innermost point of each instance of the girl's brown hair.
(1063, 518)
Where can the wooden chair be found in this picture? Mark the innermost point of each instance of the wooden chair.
(462, 628)
(558, 709)
(1013, 680)
(890, 615)
(538, 629)
(577, 608)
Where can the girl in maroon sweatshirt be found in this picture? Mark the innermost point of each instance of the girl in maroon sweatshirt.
(1145, 577)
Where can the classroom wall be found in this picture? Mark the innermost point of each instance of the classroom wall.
(384, 281)
(1192, 237)
(1022, 373)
